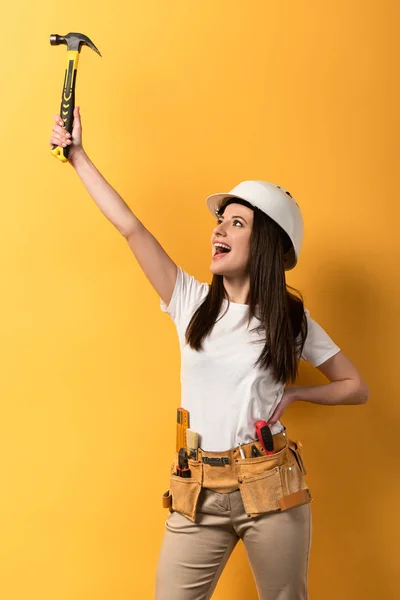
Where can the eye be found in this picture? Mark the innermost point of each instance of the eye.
(234, 221)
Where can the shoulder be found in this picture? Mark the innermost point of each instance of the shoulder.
(188, 293)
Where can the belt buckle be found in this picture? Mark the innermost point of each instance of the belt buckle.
(215, 461)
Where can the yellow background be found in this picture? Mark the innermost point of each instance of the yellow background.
(189, 99)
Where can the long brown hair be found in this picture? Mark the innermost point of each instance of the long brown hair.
(283, 323)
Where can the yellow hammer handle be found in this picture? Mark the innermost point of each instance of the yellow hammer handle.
(68, 101)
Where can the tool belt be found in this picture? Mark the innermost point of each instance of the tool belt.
(267, 483)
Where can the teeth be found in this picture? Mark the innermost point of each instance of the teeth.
(219, 245)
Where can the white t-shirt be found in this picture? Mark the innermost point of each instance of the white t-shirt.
(223, 392)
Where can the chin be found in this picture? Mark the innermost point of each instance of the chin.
(214, 270)
(217, 269)
(232, 271)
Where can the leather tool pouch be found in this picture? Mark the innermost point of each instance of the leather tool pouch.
(295, 447)
(260, 491)
(267, 483)
(294, 487)
(184, 492)
(167, 499)
(275, 482)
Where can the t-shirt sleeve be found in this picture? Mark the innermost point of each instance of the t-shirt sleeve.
(318, 346)
(186, 297)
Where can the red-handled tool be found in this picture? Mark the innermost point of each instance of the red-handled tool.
(183, 466)
(264, 436)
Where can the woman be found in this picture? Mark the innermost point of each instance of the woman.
(241, 340)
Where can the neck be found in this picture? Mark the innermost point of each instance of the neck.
(238, 289)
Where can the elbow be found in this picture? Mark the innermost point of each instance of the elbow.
(363, 393)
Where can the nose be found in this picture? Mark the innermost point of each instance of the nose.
(219, 228)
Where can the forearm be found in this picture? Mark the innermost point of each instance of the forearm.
(107, 199)
(346, 391)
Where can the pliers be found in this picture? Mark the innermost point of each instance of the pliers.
(255, 451)
(182, 469)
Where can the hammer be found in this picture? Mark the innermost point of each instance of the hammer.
(74, 42)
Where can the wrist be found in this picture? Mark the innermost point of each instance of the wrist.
(293, 393)
(78, 157)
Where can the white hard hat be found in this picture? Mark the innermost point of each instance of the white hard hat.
(277, 203)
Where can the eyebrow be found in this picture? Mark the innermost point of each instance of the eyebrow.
(233, 217)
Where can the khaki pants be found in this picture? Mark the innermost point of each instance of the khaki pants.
(262, 500)
(193, 555)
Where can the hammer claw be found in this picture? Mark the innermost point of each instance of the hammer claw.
(73, 41)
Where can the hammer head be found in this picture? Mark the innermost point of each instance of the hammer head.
(74, 41)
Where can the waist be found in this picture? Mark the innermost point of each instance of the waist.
(267, 482)
(234, 453)
(221, 470)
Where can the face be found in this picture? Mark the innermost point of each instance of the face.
(233, 229)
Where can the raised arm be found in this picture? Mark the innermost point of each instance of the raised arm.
(158, 267)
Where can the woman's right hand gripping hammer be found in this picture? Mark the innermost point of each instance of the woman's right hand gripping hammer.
(61, 137)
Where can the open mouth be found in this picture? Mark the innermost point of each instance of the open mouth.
(221, 249)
